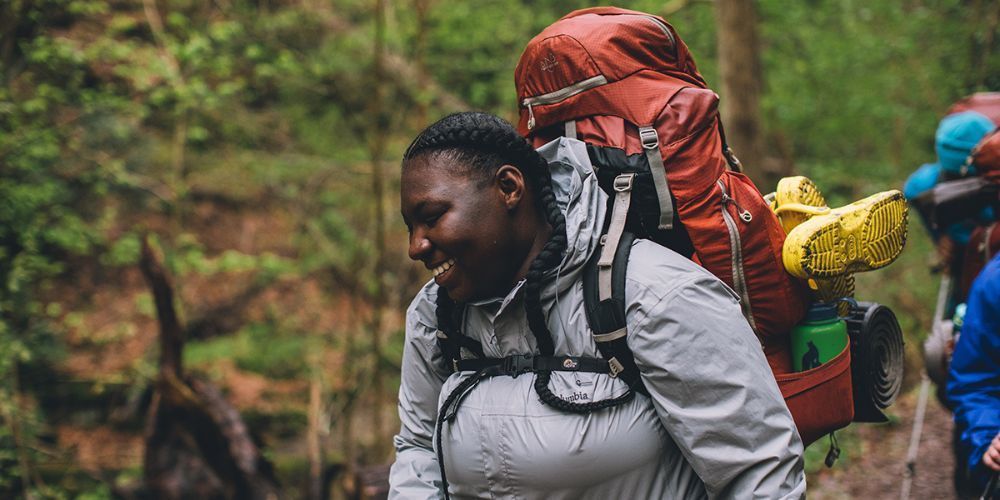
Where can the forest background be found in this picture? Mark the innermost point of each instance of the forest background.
(255, 145)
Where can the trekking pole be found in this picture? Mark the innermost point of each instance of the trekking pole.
(918, 426)
(991, 486)
(944, 290)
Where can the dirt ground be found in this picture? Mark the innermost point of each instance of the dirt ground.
(873, 461)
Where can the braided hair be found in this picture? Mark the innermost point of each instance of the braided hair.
(482, 143)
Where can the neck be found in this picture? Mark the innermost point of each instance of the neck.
(536, 243)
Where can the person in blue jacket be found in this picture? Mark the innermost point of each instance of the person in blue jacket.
(974, 380)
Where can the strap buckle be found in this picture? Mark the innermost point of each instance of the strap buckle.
(649, 138)
(616, 367)
(517, 364)
(623, 183)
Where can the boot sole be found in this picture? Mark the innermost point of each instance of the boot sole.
(863, 236)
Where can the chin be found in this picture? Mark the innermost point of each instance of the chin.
(456, 294)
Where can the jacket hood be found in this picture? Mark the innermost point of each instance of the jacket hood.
(582, 202)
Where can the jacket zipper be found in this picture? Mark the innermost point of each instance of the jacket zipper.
(736, 248)
(560, 95)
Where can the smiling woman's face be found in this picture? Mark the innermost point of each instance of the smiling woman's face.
(464, 228)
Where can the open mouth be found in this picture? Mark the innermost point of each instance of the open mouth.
(440, 270)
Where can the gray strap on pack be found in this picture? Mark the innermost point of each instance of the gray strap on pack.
(570, 129)
(987, 235)
(619, 212)
(651, 144)
(608, 337)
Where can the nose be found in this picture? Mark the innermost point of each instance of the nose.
(420, 246)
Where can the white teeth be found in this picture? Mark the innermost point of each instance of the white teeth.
(439, 270)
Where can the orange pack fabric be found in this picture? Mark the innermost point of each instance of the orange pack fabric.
(820, 399)
(605, 73)
(986, 157)
(986, 103)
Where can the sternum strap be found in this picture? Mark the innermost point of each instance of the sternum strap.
(517, 364)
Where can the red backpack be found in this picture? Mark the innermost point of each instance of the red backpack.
(625, 84)
(986, 103)
(986, 157)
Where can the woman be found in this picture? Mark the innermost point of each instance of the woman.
(506, 235)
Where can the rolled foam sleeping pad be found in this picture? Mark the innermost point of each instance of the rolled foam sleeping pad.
(876, 359)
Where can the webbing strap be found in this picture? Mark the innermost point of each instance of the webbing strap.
(619, 212)
(987, 235)
(608, 337)
(516, 364)
(651, 144)
(570, 129)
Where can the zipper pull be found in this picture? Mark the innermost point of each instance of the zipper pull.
(531, 115)
(745, 215)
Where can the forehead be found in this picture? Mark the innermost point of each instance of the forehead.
(434, 177)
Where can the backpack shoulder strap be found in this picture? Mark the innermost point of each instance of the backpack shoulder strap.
(606, 318)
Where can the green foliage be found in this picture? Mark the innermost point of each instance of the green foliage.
(262, 348)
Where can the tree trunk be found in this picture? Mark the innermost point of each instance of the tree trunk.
(314, 448)
(982, 43)
(740, 71)
(197, 445)
(420, 54)
(171, 332)
(377, 150)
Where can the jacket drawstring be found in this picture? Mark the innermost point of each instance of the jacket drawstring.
(448, 412)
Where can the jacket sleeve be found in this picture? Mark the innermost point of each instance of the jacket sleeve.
(974, 373)
(415, 473)
(713, 390)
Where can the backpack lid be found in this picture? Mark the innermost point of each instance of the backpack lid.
(987, 103)
(599, 47)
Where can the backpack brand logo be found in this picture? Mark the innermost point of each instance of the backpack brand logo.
(549, 62)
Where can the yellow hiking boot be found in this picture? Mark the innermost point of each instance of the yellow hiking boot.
(796, 200)
(865, 235)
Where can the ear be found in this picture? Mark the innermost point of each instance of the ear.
(511, 184)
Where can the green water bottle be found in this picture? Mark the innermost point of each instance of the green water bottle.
(818, 338)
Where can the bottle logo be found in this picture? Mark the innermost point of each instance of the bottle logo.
(811, 358)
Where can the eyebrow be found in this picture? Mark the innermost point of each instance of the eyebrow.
(416, 209)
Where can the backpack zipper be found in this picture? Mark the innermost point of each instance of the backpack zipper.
(574, 89)
(666, 31)
(560, 95)
(736, 249)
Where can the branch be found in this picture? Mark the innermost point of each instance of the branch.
(227, 317)
(156, 26)
(171, 332)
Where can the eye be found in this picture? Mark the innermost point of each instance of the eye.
(430, 220)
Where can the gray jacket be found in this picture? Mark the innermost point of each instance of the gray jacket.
(715, 424)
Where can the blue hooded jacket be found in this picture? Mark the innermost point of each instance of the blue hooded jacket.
(974, 374)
